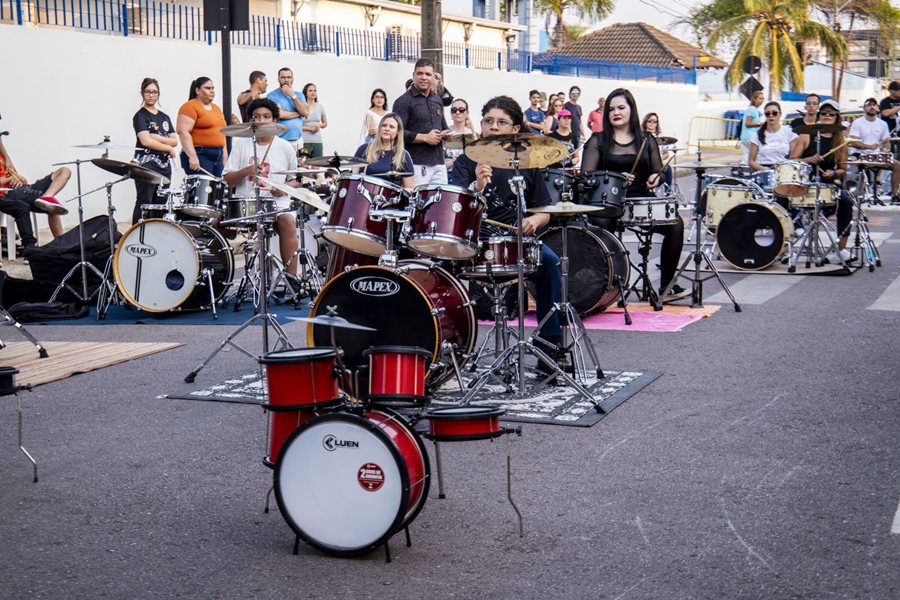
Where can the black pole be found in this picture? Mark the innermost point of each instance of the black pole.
(225, 13)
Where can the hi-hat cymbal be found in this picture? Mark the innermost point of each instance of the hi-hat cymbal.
(531, 150)
(819, 127)
(666, 141)
(130, 170)
(301, 194)
(249, 130)
(459, 141)
(700, 165)
(106, 145)
(337, 161)
(566, 208)
(330, 321)
(301, 172)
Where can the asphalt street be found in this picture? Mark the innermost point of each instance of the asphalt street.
(761, 465)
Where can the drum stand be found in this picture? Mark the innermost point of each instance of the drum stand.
(500, 331)
(309, 277)
(267, 319)
(9, 320)
(646, 293)
(697, 255)
(863, 245)
(523, 344)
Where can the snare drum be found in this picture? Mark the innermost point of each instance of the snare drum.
(346, 483)
(724, 194)
(349, 223)
(751, 236)
(605, 189)
(464, 423)
(827, 196)
(562, 185)
(884, 159)
(597, 259)
(161, 265)
(446, 221)
(204, 195)
(247, 208)
(498, 258)
(791, 178)
(650, 211)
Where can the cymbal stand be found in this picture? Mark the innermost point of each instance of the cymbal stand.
(309, 278)
(646, 293)
(108, 290)
(863, 245)
(266, 318)
(524, 344)
(698, 256)
(500, 331)
(811, 242)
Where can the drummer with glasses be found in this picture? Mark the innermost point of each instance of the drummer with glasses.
(830, 158)
(502, 115)
(274, 154)
(770, 146)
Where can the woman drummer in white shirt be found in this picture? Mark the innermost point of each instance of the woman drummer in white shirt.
(771, 145)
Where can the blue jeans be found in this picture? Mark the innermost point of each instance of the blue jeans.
(211, 159)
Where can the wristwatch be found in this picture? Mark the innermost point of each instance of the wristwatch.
(294, 97)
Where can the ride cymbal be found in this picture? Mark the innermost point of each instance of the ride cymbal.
(130, 170)
(666, 141)
(249, 130)
(566, 209)
(533, 151)
(337, 161)
(459, 141)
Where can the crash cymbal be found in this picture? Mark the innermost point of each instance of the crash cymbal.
(391, 174)
(819, 127)
(301, 194)
(302, 172)
(458, 141)
(566, 208)
(106, 145)
(532, 150)
(337, 161)
(130, 170)
(700, 165)
(249, 130)
(666, 141)
(330, 321)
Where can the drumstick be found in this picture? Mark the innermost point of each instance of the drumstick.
(663, 168)
(835, 149)
(207, 172)
(638, 157)
(499, 224)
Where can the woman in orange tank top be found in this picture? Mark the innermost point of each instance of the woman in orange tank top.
(198, 125)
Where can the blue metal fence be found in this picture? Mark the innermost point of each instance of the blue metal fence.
(161, 19)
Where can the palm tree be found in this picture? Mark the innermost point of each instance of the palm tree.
(770, 29)
(595, 9)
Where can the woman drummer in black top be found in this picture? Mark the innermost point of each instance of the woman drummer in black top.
(615, 149)
(833, 166)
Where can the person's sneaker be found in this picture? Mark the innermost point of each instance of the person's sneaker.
(845, 255)
(895, 199)
(50, 205)
(676, 292)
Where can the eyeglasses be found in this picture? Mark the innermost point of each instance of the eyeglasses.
(827, 113)
(458, 110)
(151, 93)
(501, 123)
(652, 121)
(772, 114)
(574, 93)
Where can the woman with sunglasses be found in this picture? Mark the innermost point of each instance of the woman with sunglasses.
(551, 122)
(460, 123)
(771, 144)
(619, 147)
(832, 167)
(503, 116)
(651, 125)
(156, 141)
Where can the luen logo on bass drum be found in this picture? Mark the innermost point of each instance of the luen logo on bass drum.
(375, 286)
(140, 250)
(331, 443)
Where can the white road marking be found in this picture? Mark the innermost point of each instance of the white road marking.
(895, 527)
(753, 289)
(889, 299)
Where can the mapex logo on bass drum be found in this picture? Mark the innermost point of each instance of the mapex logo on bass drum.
(140, 250)
(375, 286)
(331, 443)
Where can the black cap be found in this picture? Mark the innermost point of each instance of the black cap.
(894, 85)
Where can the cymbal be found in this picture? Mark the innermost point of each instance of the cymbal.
(301, 172)
(894, 139)
(819, 127)
(106, 145)
(700, 165)
(566, 208)
(330, 321)
(337, 161)
(458, 141)
(249, 130)
(391, 174)
(532, 150)
(301, 194)
(130, 170)
(666, 141)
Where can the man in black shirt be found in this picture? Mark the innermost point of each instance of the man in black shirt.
(573, 107)
(424, 126)
(258, 85)
(890, 106)
(811, 106)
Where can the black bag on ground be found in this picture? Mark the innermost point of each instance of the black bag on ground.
(34, 312)
(14, 290)
(53, 261)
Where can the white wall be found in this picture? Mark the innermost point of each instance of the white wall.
(74, 87)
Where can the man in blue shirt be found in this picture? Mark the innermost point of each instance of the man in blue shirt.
(293, 107)
(534, 115)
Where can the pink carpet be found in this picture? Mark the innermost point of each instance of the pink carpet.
(659, 322)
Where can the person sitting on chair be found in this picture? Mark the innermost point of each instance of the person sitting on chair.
(22, 198)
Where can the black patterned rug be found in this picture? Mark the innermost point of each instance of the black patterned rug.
(549, 405)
